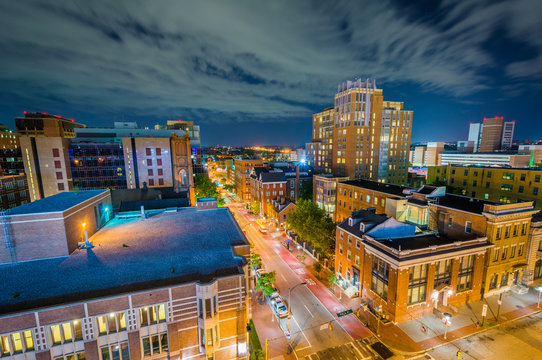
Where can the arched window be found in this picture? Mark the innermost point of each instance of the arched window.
(538, 269)
(184, 179)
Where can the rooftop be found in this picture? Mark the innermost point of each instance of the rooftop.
(464, 203)
(55, 203)
(397, 190)
(129, 255)
(367, 217)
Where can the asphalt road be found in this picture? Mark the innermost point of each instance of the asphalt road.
(309, 324)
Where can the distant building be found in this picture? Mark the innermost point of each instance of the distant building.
(37, 124)
(123, 157)
(278, 210)
(535, 152)
(243, 168)
(144, 290)
(502, 184)
(362, 135)
(475, 135)
(488, 159)
(193, 131)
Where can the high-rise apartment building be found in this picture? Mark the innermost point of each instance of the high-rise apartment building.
(507, 134)
(491, 134)
(242, 170)
(363, 135)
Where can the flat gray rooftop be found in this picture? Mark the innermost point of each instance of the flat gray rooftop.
(55, 203)
(196, 244)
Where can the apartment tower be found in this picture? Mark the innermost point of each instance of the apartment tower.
(363, 135)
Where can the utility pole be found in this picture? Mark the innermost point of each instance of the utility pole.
(265, 348)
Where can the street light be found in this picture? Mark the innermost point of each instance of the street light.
(446, 324)
(290, 304)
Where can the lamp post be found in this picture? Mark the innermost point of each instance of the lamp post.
(539, 289)
(340, 288)
(290, 304)
(446, 324)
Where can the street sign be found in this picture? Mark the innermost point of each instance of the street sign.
(343, 313)
(484, 310)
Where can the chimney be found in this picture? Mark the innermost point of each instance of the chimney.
(267, 166)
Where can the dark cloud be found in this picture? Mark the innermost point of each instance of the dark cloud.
(258, 62)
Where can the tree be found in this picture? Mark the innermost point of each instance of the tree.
(255, 260)
(255, 207)
(332, 279)
(265, 283)
(222, 180)
(313, 225)
(306, 190)
(317, 266)
(229, 187)
(206, 188)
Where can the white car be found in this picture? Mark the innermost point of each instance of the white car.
(280, 308)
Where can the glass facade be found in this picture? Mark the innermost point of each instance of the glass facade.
(97, 166)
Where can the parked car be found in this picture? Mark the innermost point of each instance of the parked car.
(280, 308)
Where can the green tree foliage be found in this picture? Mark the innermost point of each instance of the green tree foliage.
(229, 187)
(255, 207)
(206, 188)
(306, 190)
(332, 279)
(255, 260)
(265, 283)
(317, 266)
(313, 225)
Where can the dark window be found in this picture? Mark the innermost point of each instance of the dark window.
(149, 172)
(487, 185)
(59, 175)
(489, 174)
(56, 153)
(58, 164)
(151, 182)
(158, 152)
(535, 191)
(537, 178)
(474, 183)
(522, 177)
(476, 173)
(160, 181)
(159, 162)
(464, 182)
(453, 171)
(466, 173)
(148, 151)
(60, 186)
(160, 172)
(149, 162)
(520, 189)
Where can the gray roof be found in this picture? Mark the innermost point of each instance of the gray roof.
(56, 203)
(197, 245)
(369, 218)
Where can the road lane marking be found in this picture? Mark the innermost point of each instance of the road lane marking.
(302, 332)
(308, 310)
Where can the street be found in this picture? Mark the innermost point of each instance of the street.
(309, 325)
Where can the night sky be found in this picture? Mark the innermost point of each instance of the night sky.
(252, 72)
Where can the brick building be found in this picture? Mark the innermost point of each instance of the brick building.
(242, 170)
(402, 274)
(324, 192)
(278, 210)
(353, 195)
(160, 287)
(13, 191)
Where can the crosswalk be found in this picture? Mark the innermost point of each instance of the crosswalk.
(352, 350)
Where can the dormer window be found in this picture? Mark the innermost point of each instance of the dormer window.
(350, 222)
(362, 227)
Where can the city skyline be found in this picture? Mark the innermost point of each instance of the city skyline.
(262, 69)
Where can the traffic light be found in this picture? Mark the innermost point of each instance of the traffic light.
(330, 326)
(458, 354)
